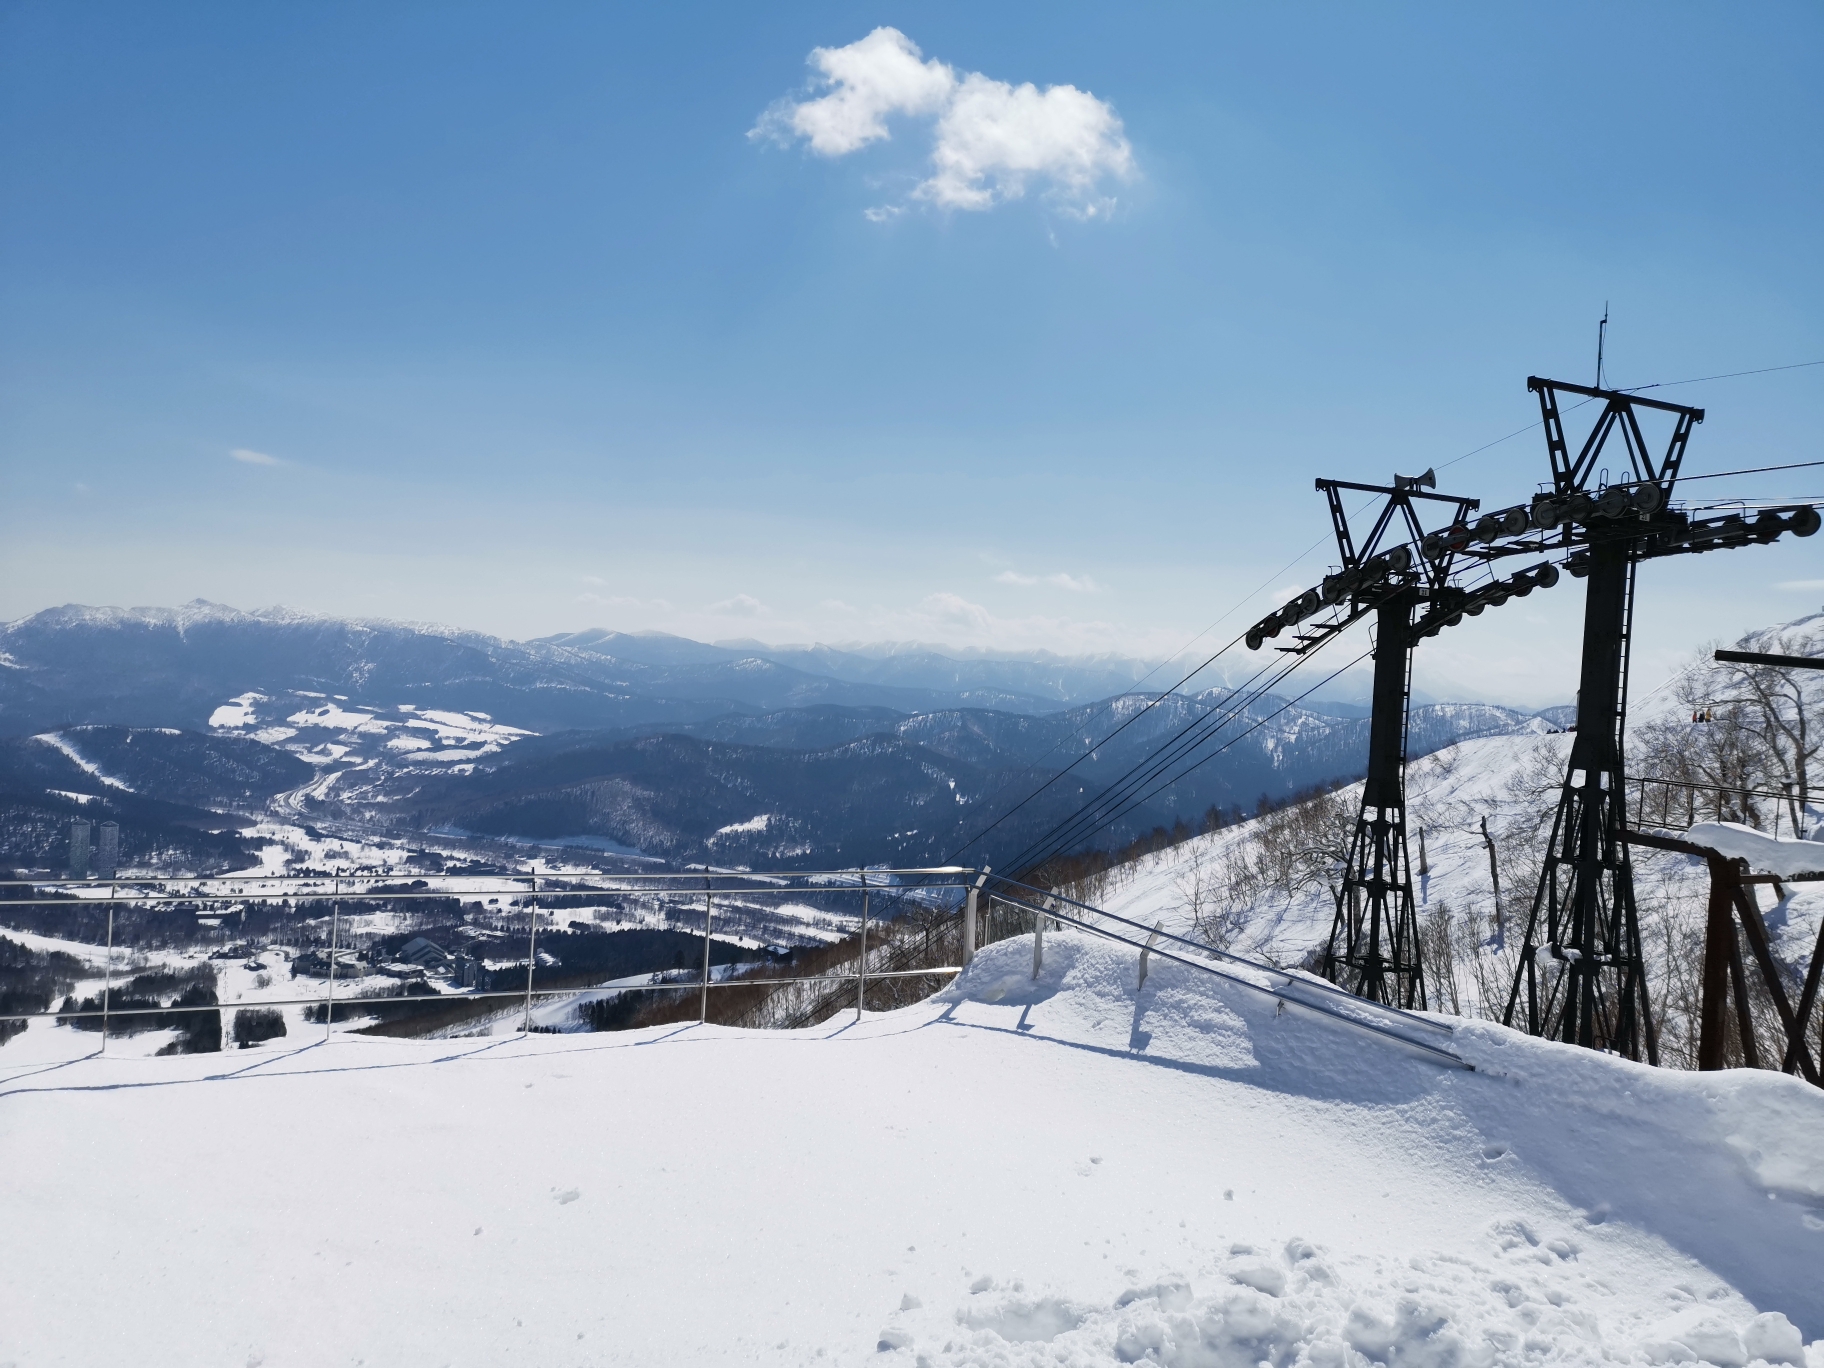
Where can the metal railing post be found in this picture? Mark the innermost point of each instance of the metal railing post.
(708, 916)
(969, 936)
(1038, 943)
(335, 933)
(531, 951)
(861, 965)
(107, 990)
(1146, 953)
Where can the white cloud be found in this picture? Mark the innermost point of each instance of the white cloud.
(995, 137)
(1805, 585)
(1077, 584)
(258, 458)
(991, 139)
(881, 74)
(741, 605)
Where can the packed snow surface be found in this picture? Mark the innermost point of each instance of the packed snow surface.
(1056, 1170)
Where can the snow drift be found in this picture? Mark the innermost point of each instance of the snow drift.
(1019, 1171)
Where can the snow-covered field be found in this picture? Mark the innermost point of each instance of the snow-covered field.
(1015, 1172)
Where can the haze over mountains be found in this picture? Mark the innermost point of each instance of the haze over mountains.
(735, 753)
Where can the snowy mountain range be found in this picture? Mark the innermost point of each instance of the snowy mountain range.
(678, 750)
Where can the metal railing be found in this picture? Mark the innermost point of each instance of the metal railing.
(340, 888)
(934, 889)
(1327, 1000)
(1717, 800)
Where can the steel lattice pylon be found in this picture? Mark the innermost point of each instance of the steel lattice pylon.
(1373, 949)
(1374, 940)
(1582, 978)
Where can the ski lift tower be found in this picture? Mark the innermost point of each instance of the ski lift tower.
(1581, 977)
(1373, 949)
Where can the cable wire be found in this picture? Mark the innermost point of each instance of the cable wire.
(1212, 721)
(1732, 375)
(1758, 470)
(1091, 750)
(1079, 835)
(1176, 747)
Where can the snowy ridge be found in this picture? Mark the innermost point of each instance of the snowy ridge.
(200, 612)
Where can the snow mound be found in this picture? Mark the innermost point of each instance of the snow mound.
(1770, 854)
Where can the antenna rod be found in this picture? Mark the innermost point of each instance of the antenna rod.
(1602, 330)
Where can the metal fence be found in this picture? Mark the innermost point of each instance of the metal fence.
(1677, 804)
(957, 907)
(883, 896)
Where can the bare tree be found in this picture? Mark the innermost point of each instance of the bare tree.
(1780, 712)
(1439, 942)
(1751, 730)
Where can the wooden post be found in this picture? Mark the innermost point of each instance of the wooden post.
(969, 911)
(1744, 1018)
(1755, 931)
(1719, 941)
(335, 932)
(1795, 1043)
(969, 928)
(1494, 877)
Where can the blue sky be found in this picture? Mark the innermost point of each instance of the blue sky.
(537, 337)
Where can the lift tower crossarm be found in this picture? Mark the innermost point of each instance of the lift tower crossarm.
(1398, 498)
(1785, 662)
(1570, 476)
(1368, 574)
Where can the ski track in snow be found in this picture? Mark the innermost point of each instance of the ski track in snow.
(1014, 1172)
(58, 742)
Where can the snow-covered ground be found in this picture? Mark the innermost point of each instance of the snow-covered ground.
(318, 728)
(1015, 1172)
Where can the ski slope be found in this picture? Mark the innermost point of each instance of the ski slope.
(1018, 1171)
